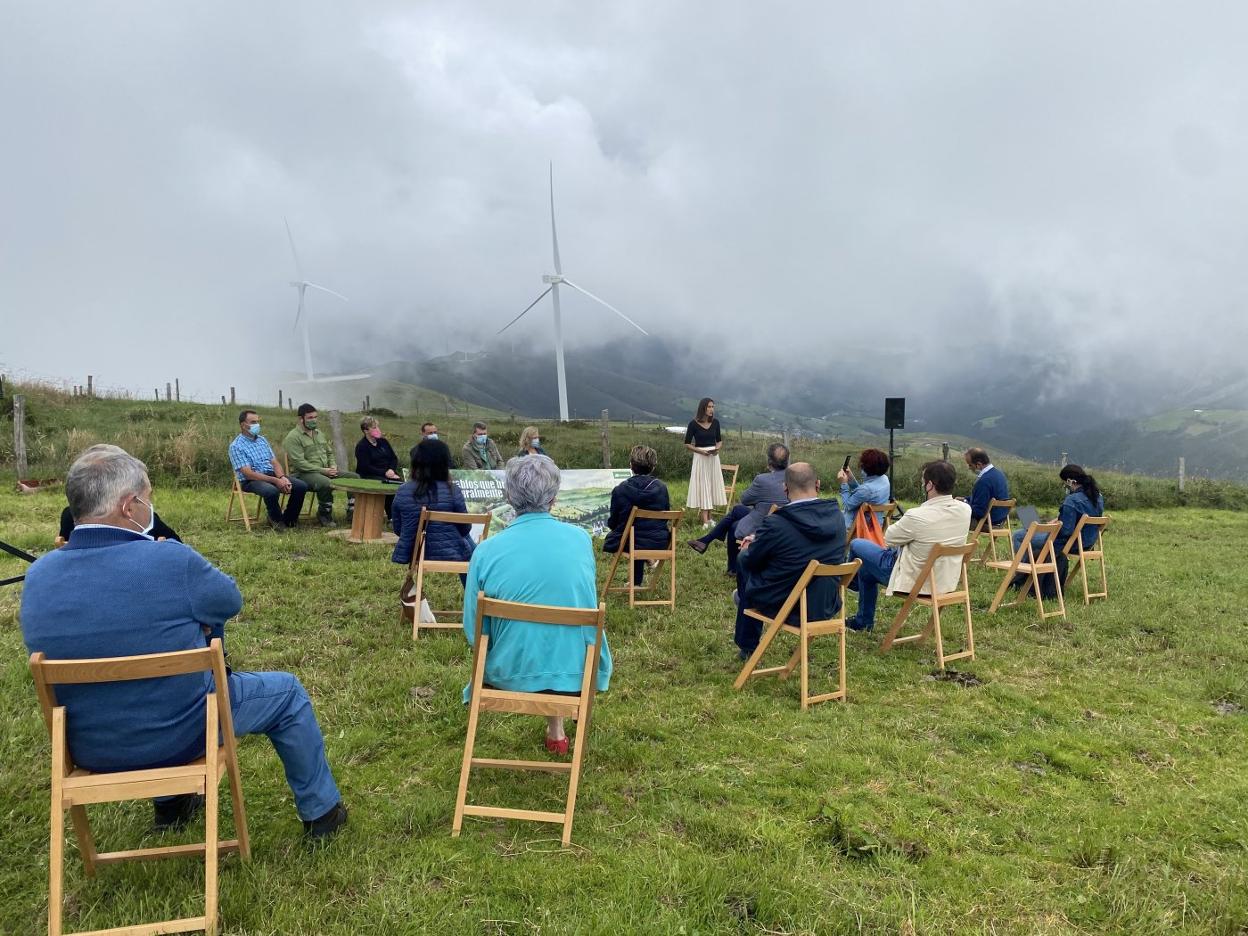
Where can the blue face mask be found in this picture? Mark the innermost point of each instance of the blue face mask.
(254, 429)
(483, 440)
(432, 435)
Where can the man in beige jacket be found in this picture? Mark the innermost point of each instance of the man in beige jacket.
(938, 520)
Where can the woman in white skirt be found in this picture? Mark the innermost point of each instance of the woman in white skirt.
(706, 480)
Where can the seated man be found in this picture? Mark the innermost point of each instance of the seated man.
(645, 492)
(479, 451)
(908, 542)
(536, 560)
(159, 531)
(114, 591)
(990, 484)
(258, 472)
(774, 558)
(766, 489)
(312, 461)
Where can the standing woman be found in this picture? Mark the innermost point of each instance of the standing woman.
(530, 442)
(706, 480)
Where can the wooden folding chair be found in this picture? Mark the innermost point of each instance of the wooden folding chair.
(936, 600)
(309, 499)
(414, 587)
(985, 528)
(730, 485)
(487, 699)
(73, 789)
(1027, 562)
(804, 630)
(1074, 550)
(628, 536)
(237, 493)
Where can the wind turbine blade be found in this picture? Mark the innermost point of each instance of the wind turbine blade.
(326, 290)
(526, 309)
(568, 282)
(554, 237)
(299, 309)
(294, 253)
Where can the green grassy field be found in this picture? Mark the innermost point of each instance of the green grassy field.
(1095, 780)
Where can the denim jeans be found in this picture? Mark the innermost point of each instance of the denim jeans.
(277, 705)
(272, 500)
(877, 566)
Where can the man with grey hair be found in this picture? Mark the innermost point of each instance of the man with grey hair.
(765, 490)
(115, 591)
(536, 560)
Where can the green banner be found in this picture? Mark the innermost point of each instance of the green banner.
(584, 497)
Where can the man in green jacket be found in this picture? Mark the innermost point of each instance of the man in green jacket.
(312, 461)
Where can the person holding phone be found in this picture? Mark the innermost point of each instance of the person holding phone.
(874, 488)
(706, 478)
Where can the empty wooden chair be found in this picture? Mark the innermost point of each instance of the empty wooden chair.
(1075, 553)
(805, 631)
(414, 586)
(628, 550)
(985, 528)
(1026, 561)
(936, 600)
(238, 494)
(73, 789)
(730, 485)
(488, 699)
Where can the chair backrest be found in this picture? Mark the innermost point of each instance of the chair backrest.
(1050, 531)
(730, 486)
(541, 614)
(1076, 538)
(996, 504)
(885, 510)
(816, 569)
(51, 673)
(428, 516)
(927, 574)
(670, 517)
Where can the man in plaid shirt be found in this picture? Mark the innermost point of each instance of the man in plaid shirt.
(258, 472)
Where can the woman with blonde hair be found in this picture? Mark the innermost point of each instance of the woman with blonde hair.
(530, 442)
(706, 479)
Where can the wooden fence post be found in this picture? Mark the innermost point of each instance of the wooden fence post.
(156, 393)
(290, 403)
(19, 434)
(223, 399)
(944, 451)
(335, 430)
(280, 404)
(1182, 469)
(177, 389)
(90, 385)
(1, 386)
(368, 402)
(787, 443)
(606, 441)
(1065, 459)
(232, 402)
(168, 392)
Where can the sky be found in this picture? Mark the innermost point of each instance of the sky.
(749, 178)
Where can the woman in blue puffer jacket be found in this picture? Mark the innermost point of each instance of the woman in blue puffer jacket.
(431, 487)
(644, 492)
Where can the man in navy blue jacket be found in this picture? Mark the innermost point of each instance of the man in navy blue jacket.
(773, 558)
(990, 484)
(115, 591)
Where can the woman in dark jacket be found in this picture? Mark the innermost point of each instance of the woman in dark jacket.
(644, 492)
(375, 459)
(431, 487)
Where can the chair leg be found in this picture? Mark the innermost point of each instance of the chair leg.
(212, 855)
(615, 561)
(1005, 584)
(673, 573)
(632, 580)
(934, 625)
(474, 708)
(804, 650)
(970, 629)
(757, 655)
(239, 808)
(86, 843)
(1083, 572)
(578, 751)
(840, 680)
(417, 594)
(56, 858)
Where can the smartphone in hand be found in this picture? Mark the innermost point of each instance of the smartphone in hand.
(845, 467)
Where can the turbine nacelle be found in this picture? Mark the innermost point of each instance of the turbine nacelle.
(552, 279)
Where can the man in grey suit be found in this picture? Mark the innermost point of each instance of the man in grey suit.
(765, 490)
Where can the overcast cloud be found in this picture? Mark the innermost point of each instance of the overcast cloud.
(1052, 174)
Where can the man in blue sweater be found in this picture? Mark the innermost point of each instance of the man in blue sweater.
(990, 484)
(114, 591)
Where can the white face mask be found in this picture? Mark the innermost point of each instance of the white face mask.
(536, 442)
(151, 517)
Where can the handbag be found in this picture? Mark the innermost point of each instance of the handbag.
(867, 527)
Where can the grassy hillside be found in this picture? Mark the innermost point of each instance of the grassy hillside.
(1090, 778)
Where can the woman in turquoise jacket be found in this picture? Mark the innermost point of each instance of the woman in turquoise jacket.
(536, 560)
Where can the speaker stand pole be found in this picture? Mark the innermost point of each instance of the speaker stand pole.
(890, 462)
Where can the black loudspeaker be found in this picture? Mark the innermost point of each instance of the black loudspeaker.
(894, 412)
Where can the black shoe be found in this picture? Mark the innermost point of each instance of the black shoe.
(856, 625)
(177, 812)
(327, 825)
(326, 519)
(696, 545)
(744, 654)
(279, 526)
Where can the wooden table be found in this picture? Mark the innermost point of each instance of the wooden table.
(368, 522)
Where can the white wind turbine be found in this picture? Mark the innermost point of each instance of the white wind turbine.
(554, 281)
(303, 285)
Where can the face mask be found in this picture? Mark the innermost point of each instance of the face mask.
(536, 442)
(374, 433)
(309, 423)
(432, 435)
(254, 429)
(482, 440)
(151, 518)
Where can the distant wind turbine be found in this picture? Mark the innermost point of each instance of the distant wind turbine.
(303, 285)
(553, 282)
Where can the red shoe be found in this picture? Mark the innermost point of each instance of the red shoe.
(557, 747)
